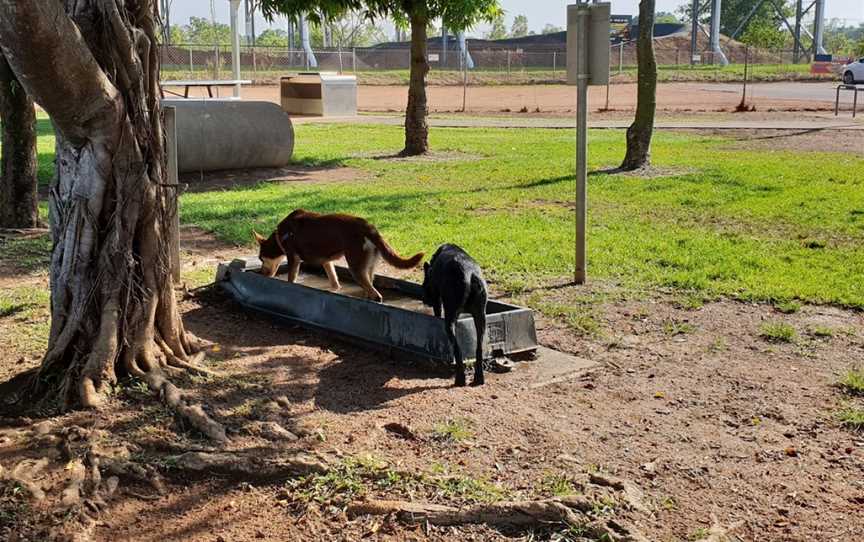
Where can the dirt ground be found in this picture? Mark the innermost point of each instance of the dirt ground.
(710, 421)
(681, 97)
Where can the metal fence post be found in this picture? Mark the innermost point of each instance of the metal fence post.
(554, 62)
(508, 63)
(621, 58)
(191, 65)
(354, 60)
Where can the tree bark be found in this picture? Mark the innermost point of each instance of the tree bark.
(19, 206)
(416, 127)
(639, 133)
(113, 309)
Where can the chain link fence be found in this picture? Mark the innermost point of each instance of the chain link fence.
(377, 65)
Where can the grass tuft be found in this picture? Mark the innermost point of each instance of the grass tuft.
(822, 332)
(674, 327)
(778, 332)
(788, 307)
(453, 430)
(852, 418)
(852, 382)
(557, 485)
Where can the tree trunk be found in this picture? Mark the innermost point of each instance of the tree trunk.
(416, 128)
(113, 310)
(18, 166)
(639, 133)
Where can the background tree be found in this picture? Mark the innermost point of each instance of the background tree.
(666, 17)
(735, 12)
(273, 37)
(498, 31)
(113, 310)
(19, 205)
(354, 30)
(455, 15)
(640, 132)
(201, 31)
(551, 29)
(520, 27)
(764, 34)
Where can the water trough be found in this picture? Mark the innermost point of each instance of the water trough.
(400, 325)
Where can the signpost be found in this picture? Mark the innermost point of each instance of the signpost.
(587, 64)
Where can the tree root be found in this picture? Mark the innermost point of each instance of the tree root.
(249, 466)
(23, 475)
(718, 533)
(194, 414)
(634, 496)
(572, 510)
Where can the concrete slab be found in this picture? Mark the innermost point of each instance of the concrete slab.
(552, 367)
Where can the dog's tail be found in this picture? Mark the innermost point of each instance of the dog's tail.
(390, 255)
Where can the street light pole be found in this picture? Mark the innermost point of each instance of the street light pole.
(235, 45)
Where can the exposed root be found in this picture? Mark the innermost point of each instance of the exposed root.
(192, 413)
(24, 473)
(568, 510)
(718, 533)
(250, 466)
(634, 496)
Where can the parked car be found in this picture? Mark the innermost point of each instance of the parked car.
(853, 72)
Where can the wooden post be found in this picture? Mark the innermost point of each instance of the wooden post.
(173, 181)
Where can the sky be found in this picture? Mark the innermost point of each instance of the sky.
(539, 12)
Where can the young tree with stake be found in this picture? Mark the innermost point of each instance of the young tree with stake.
(640, 132)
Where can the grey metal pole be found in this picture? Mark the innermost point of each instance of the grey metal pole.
(796, 55)
(716, 52)
(621, 58)
(580, 274)
(464, 80)
(235, 45)
(819, 28)
(443, 47)
(694, 30)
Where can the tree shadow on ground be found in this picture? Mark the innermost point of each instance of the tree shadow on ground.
(341, 377)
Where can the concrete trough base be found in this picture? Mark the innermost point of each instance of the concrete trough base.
(401, 325)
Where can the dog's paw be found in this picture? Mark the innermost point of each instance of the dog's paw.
(478, 382)
(460, 382)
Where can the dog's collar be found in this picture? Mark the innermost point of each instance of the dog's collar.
(278, 237)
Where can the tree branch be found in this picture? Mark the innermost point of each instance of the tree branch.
(53, 63)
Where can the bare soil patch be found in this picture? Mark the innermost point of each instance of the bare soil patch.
(546, 99)
(431, 156)
(690, 405)
(226, 180)
(820, 140)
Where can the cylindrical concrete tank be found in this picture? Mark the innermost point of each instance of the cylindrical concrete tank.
(218, 134)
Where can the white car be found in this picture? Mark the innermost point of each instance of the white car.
(853, 72)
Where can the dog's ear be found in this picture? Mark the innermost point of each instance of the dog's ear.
(258, 237)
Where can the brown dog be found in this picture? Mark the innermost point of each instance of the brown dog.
(304, 236)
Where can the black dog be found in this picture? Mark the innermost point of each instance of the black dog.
(454, 279)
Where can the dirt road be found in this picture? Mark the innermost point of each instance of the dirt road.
(682, 97)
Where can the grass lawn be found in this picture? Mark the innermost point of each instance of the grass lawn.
(749, 224)
(754, 225)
